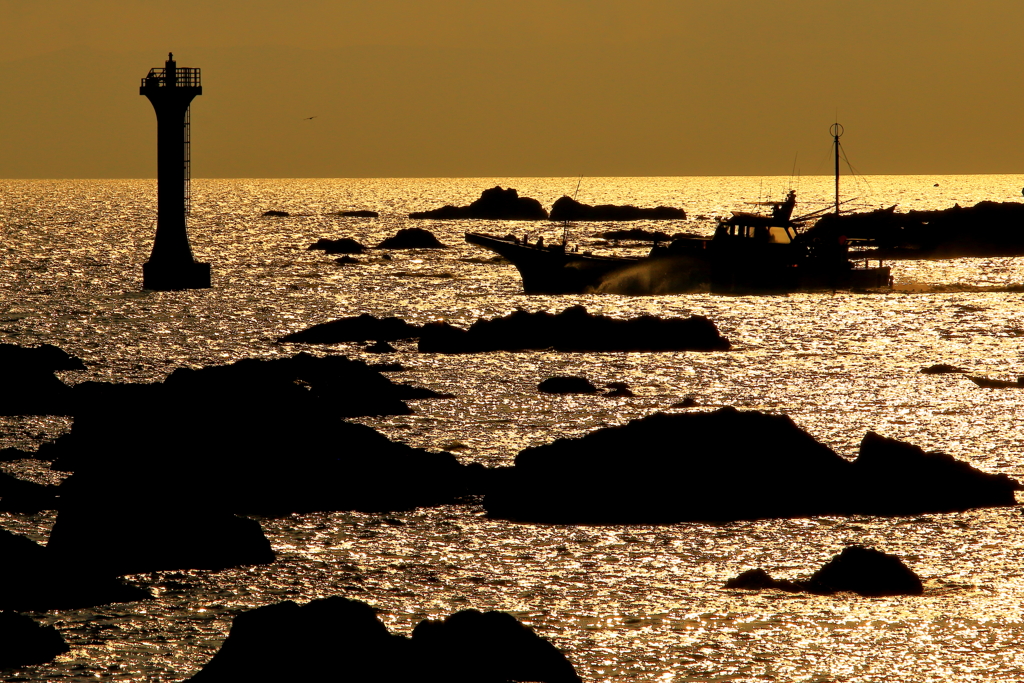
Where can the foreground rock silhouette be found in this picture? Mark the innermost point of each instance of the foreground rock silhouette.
(493, 204)
(24, 641)
(340, 639)
(568, 209)
(30, 386)
(731, 465)
(574, 329)
(857, 569)
(35, 579)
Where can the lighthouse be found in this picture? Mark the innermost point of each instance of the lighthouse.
(171, 264)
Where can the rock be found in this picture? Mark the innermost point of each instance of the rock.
(687, 402)
(857, 569)
(730, 465)
(618, 390)
(493, 204)
(346, 261)
(276, 213)
(362, 213)
(941, 369)
(11, 454)
(24, 641)
(344, 245)
(30, 387)
(411, 238)
(380, 347)
(567, 385)
(18, 495)
(340, 639)
(574, 330)
(568, 209)
(263, 437)
(353, 329)
(34, 579)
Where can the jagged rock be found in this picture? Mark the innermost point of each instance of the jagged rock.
(345, 245)
(411, 238)
(574, 330)
(362, 213)
(494, 204)
(336, 638)
(729, 465)
(567, 385)
(34, 579)
(568, 209)
(262, 436)
(857, 569)
(276, 213)
(24, 641)
(18, 495)
(358, 328)
(941, 369)
(30, 387)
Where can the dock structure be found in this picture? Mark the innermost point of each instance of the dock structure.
(171, 264)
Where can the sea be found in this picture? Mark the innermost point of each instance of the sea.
(625, 603)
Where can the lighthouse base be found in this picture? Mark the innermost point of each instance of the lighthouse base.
(164, 276)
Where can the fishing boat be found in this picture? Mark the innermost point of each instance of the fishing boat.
(750, 253)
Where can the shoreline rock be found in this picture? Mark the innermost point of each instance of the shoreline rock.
(494, 204)
(411, 238)
(568, 209)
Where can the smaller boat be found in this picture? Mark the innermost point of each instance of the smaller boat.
(987, 383)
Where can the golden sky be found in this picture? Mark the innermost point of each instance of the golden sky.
(404, 88)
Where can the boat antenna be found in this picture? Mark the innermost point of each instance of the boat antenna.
(565, 224)
(577, 187)
(836, 130)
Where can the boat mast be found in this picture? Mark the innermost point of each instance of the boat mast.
(837, 131)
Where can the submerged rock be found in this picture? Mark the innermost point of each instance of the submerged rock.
(568, 209)
(355, 329)
(24, 641)
(567, 385)
(730, 465)
(340, 639)
(493, 204)
(857, 569)
(35, 579)
(574, 329)
(411, 238)
(345, 245)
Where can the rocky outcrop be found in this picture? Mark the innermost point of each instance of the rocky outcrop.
(574, 329)
(24, 641)
(730, 465)
(494, 204)
(567, 385)
(411, 238)
(568, 209)
(857, 569)
(355, 329)
(340, 639)
(35, 579)
(30, 386)
(345, 245)
(260, 436)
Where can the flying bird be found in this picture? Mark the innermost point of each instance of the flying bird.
(309, 118)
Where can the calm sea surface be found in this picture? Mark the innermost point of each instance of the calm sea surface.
(625, 603)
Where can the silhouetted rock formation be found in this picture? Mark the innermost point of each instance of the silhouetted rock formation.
(340, 639)
(985, 229)
(567, 385)
(30, 387)
(34, 579)
(618, 390)
(18, 495)
(411, 238)
(857, 569)
(637, 234)
(257, 436)
(362, 213)
(729, 465)
(346, 261)
(494, 204)
(24, 641)
(568, 209)
(574, 330)
(356, 329)
(941, 369)
(274, 213)
(345, 245)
